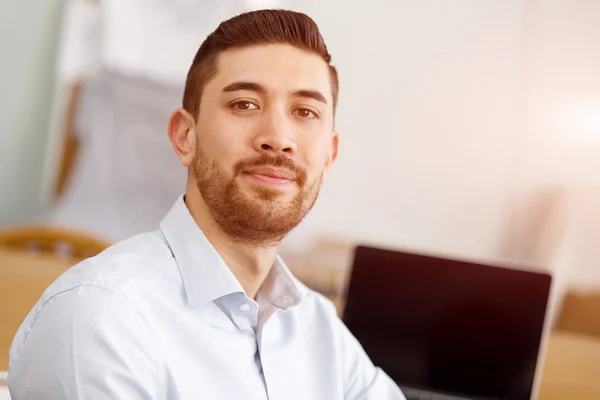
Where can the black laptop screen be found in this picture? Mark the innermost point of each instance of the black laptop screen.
(449, 326)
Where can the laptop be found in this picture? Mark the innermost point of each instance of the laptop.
(449, 329)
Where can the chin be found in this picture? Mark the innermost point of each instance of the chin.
(267, 193)
(273, 197)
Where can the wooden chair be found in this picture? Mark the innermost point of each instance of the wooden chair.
(31, 258)
(580, 313)
(58, 241)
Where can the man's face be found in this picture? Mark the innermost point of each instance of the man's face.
(264, 140)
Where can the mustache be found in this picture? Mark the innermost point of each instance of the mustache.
(266, 160)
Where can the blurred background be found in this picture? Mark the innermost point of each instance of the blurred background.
(469, 129)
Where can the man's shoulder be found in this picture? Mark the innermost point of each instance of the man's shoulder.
(316, 303)
(319, 307)
(103, 287)
(123, 265)
(330, 308)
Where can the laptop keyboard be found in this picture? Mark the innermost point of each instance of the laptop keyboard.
(416, 394)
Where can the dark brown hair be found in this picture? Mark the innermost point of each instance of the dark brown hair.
(254, 28)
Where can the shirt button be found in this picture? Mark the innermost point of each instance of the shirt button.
(245, 307)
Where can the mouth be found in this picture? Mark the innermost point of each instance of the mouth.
(272, 176)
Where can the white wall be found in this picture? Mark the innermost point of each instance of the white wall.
(427, 120)
(28, 39)
(469, 128)
(561, 132)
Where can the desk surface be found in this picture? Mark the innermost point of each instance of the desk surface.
(571, 368)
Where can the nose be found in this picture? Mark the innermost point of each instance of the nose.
(275, 135)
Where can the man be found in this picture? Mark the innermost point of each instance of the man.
(203, 308)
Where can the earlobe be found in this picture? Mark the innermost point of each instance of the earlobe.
(333, 153)
(335, 142)
(333, 150)
(182, 136)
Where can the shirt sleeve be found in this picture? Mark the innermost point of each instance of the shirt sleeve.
(363, 380)
(85, 343)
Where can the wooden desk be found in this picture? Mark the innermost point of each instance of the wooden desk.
(23, 279)
(572, 368)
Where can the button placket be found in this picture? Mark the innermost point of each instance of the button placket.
(245, 316)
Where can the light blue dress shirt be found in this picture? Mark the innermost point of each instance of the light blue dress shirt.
(160, 316)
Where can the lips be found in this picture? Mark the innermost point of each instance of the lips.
(272, 175)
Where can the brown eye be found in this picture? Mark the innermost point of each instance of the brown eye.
(244, 106)
(305, 113)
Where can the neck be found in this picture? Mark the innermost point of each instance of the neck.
(250, 264)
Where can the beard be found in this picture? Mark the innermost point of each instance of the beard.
(258, 218)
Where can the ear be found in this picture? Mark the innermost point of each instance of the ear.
(182, 135)
(333, 154)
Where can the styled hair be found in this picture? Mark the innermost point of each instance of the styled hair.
(254, 28)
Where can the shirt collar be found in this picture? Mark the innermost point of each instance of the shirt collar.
(205, 275)
(280, 287)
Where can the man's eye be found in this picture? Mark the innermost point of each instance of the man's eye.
(306, 113)
(244, 106)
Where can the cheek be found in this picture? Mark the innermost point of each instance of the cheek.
(316, 167)
(319, 154)
(224, 142)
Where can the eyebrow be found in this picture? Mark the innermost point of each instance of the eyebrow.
(258, 88)
(311, 94)
(250, 86)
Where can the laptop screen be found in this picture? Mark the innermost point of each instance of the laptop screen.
(450, 326)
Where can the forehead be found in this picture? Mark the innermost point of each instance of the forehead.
(278, 67)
